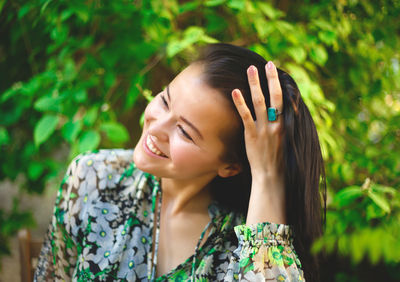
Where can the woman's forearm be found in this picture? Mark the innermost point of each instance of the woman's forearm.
(267, 200)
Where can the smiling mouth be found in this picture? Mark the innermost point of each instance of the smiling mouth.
(153, 148)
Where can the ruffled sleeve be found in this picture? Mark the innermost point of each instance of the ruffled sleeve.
(265, 253)
(58, 255)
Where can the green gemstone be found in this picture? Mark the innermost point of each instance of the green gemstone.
(271, 114)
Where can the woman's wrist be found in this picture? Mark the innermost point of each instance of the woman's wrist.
(267, 200)
(268, 181)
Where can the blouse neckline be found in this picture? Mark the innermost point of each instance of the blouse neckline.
(213, 211)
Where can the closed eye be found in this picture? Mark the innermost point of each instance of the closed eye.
(184, 133)
(164, 101)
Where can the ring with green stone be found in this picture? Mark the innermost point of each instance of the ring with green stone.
(273, 113)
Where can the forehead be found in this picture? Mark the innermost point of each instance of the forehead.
(202, 105)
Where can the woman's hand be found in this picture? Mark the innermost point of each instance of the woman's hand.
(264, 148)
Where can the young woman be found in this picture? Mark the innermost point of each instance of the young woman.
(223, 185)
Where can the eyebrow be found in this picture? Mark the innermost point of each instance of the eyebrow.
(185, 120)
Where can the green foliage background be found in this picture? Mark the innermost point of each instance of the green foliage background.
(75, 75)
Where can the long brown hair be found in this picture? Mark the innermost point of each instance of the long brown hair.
(225, 68)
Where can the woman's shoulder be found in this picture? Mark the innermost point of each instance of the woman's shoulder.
(101, 184)
(104, 169)
(105, 156)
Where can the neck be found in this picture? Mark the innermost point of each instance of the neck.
(181, 196)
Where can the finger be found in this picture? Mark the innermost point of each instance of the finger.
(243, 110)
(257, 94)
(275, 90)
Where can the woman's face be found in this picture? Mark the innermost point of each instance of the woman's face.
(182, 129)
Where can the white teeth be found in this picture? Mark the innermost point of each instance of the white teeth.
(152, 148)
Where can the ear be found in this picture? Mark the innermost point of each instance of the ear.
(229, 170)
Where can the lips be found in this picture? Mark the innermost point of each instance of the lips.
(153, 147)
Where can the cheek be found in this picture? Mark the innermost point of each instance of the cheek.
(186, 155)
(181, 151)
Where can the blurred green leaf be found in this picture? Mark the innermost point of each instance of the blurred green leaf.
(269, 10)
(379, 200)
(116, 132)
(347, 195)
(212, 3)
(71, 129)
(44, 128)
(89, 140)
(2, 2)
(328, 37)
(297, 53)
(133, 92)
(48, 103)
(11, 92)
(24, 10)
(90, 116)
(4, 137)
(191, 35)
(35, 169)
(236, 4)
(80, 96)
(319, 55)
(374, 211)
(188, 6)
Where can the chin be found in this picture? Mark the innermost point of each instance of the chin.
(142, 162)
(138, 157)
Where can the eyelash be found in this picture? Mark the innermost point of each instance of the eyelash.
(164, 101)
(179, 126)
(185, 133)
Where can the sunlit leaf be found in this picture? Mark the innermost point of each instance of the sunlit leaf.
(269, 10)
(116, 132)
(90, 116)
(379, 200)
(48, 103)
(297, 53)
(89, 140)
(319, 55)
(236, 4)
(212, 3)
(44, 128)
(374, 211)
(348, 195)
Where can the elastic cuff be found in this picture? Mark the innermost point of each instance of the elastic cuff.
(264, 231)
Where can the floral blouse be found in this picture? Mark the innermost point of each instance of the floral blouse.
(102, 230)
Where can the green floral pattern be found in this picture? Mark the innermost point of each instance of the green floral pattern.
(102, 226)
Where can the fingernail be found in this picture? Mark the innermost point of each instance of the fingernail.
(252, 69)
(270, 65)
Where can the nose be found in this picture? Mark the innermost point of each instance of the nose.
(159, 132)
(158, 126)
